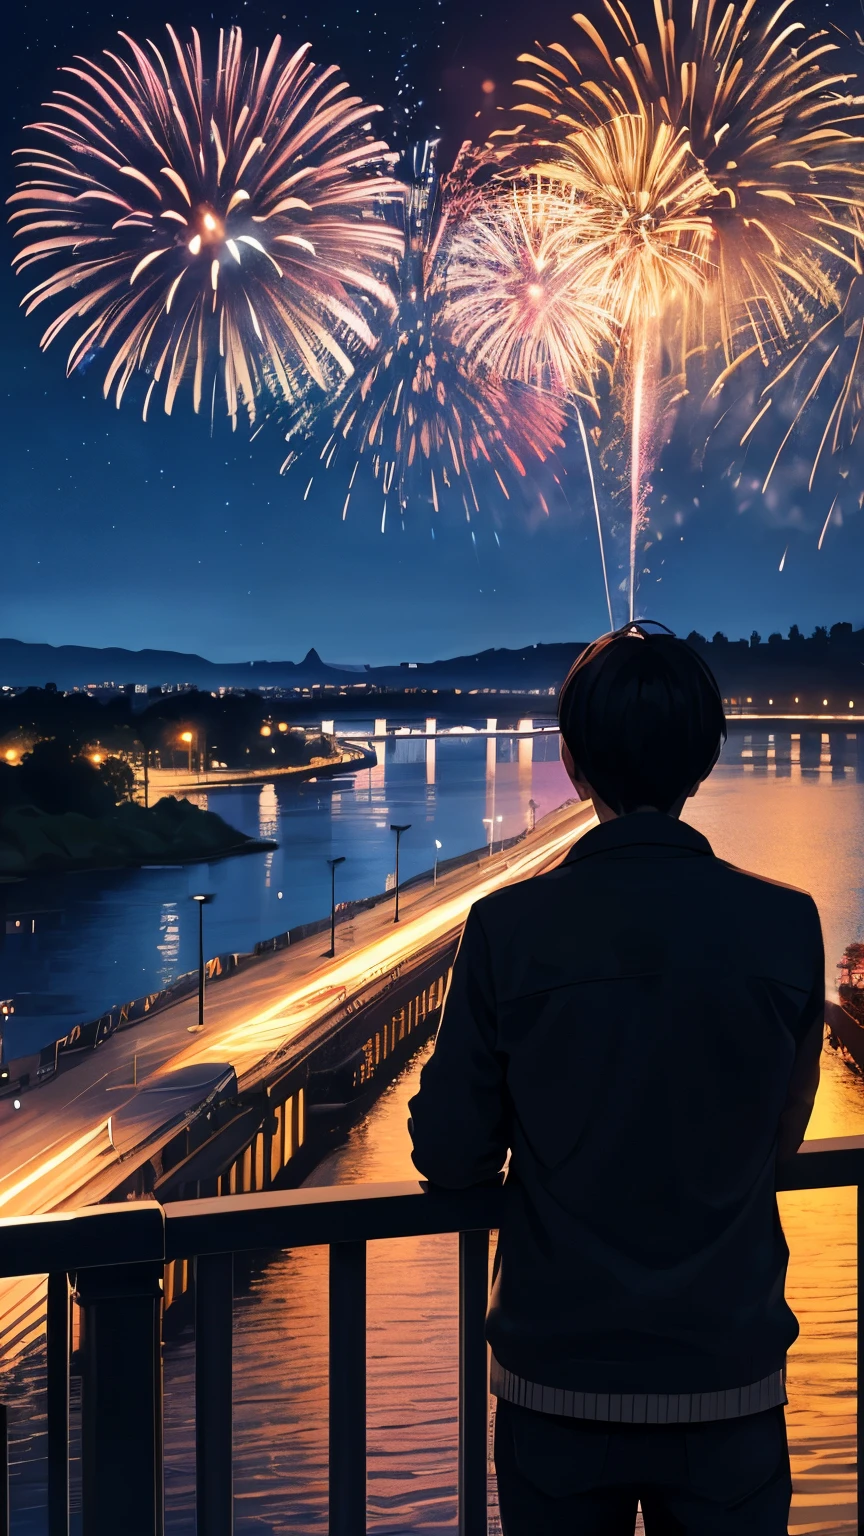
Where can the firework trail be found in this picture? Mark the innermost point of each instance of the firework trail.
(419, 407)
(210, 226)
(826, 522)
(642, 199)
(829, 366)
(768, 161)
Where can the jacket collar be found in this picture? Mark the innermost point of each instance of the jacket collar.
(640, 829)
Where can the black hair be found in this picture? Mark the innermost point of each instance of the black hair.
(642, 717)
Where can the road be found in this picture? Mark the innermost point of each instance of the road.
(56, 1145)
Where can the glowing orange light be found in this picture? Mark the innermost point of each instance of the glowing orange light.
(266, 731)
(186, 736)
(282, 725)
(96, 758)
(488, 87)
(11, 755)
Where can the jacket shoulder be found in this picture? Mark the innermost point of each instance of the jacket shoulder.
(764, 888)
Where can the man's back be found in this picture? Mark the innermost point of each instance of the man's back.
(628, 1026)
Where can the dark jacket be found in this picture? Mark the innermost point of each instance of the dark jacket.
(630, 1027)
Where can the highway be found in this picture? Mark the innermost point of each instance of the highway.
(56, 1149)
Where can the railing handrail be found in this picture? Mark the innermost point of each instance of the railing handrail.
(146, 1232)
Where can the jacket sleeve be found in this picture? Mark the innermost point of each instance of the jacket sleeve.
(458, 1119)
(804, 1081)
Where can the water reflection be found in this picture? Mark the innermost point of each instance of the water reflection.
(790, 754)
(806, 828)
(110, 941)
(784, 816)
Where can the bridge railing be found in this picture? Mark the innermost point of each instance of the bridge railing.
(111, 1259)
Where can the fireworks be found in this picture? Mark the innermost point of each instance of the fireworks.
(773, 130)
(524, 293)
(218, 227)
(420, 405)
(828, 366)
(643, 198)
(724, 160)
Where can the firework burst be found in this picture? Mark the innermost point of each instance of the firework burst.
(525, 296)
(420, 407)
(775, 131)
(219, 227)
(641, 197)
(751, 139)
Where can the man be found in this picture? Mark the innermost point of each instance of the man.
(640, 1029)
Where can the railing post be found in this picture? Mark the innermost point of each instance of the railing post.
(473, 1381)
(214, 1388)
(348, 1389)
(4, 1470)
(860, 1362)
(121, 1399)
(57, 1342)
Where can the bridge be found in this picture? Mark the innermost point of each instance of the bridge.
(108, 1262)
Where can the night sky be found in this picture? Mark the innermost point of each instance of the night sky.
(121, 533)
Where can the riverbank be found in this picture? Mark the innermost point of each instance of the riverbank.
(35, 842)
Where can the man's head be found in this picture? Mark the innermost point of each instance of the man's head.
(641, 721)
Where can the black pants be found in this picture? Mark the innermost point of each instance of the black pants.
(569, 1477)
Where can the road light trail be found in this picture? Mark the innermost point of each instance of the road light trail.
(248, 1039)
(59, 1176)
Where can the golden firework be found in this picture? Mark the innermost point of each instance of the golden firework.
(642, 195)
(827, 372)
(774, 129)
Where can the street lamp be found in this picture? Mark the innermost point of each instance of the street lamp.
(333, 862)
(438, 847)
(398, 831)
(489, 821)
(186, 736)
(203, 901)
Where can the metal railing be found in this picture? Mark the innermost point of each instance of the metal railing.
(112, 1258)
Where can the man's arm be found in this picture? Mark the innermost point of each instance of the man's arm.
(458, 1117)
(805, 1073)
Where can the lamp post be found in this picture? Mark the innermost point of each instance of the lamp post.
(398, 831)
(532, 806)
(186, 736)
(438, 847)
(203, 901)
(333, 862)
(489, 821)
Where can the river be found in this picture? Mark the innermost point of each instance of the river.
(791, 810)
(74, 945)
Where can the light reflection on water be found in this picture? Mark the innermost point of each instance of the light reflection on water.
(105, 937)
(805, 828)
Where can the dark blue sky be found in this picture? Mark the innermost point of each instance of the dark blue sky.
(121, 533)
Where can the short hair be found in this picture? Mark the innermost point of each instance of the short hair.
(642, 717)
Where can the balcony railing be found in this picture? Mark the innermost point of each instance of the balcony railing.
(112, 1259)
